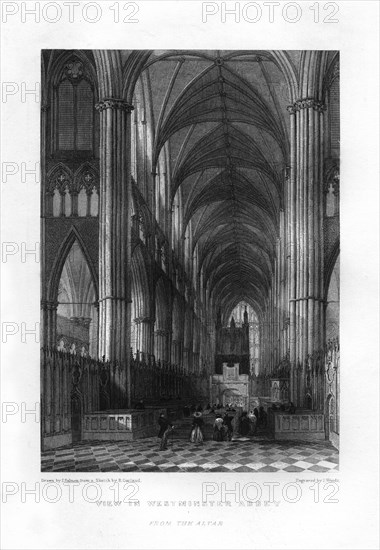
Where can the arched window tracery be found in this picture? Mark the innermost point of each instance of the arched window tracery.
(73, 110)
(73, 195)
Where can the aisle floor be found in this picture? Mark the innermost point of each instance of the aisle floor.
(257, 454)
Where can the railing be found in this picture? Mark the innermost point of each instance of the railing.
(71, 382)
(319, 374)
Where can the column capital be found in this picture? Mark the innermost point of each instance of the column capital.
(139, 320)
(114, 103)
(46, 304)
(306, 103)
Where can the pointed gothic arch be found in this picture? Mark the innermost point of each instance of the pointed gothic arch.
(63, 251)
(87, 177)
(73, 288)
(59, 177)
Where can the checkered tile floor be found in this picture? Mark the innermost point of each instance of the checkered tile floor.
(257, 454)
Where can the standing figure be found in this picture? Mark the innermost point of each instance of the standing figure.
(218, 428)
(227, 421)
(252, 423)
(196, 435)
(165, 428)
(244, 424)
(262, 417)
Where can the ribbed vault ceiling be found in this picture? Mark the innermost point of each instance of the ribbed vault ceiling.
(222, 118)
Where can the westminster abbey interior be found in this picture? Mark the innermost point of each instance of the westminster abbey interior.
(190, 251)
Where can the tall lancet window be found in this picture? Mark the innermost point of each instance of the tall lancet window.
(74, 109)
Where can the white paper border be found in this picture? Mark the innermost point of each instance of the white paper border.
(350, 523)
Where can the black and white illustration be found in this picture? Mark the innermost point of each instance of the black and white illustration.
(190, 261)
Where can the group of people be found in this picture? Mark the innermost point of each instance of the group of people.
(223, 429)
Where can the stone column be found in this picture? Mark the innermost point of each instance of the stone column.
(114, 229)
(305, 207)
(145, 343)
(74, 203)
(93, 346)
(49, 324)
(162, 338)
(175, 352)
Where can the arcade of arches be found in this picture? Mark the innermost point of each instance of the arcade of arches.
(190, 227)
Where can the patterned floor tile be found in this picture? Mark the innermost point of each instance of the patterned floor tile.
(209, 465)
(256, 465)
(279, 465)
(267, 469)
(317, 468)
(293, 469)
(231, 466)
(327, 464)
(241, 455)
(187, 465)
(304, 465)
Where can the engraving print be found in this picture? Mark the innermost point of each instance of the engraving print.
(190, 261)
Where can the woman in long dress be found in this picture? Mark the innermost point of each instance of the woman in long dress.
(218, 434)
(196, 435)
(252, 423)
